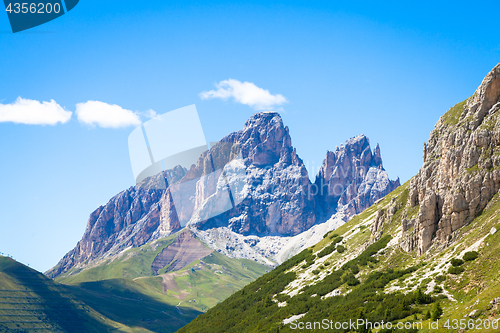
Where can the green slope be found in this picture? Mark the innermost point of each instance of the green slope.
(198, 287)
(186, 292)
(132, 305)
(133, 263)
(377, 280)
(30, 302)
(208, 281)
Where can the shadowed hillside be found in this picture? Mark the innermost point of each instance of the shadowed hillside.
(30, 302)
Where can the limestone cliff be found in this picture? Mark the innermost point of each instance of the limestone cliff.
(461, 170)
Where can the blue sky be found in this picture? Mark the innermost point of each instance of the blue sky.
(388, 70)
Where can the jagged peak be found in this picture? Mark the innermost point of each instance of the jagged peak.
(377, 156)
(355, 169)
(483, 99)
(359, 141)
(263, 119)
(361, 138)
(358, 144)
(488, 92)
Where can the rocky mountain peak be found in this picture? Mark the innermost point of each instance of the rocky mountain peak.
(264, 140)
(461, 170)
(263, 119)
(487, 94)
(352, 177)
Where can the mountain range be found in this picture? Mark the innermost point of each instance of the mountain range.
(352, 244)
(422, 259)
(277, 200)
(137, 243)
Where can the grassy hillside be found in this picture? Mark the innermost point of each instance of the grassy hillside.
(197, 287)
(133, 263)
(30, 302)
(126, 302)
(356, 274)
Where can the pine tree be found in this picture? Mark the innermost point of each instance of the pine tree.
(419, 296)
(268, 301)
(427, 315)
(437, 311)
(361, 315)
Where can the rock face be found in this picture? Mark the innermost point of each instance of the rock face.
(352, 178)
(461, 170)
(130, 219)
(274, 194)
(276, 201)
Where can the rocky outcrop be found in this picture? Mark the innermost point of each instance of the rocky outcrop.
(130, 219)
(352, 178)
(461, 170)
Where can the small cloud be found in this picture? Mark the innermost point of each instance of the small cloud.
(245, 93)
(150, 114)
(32, 112)
(106, 115)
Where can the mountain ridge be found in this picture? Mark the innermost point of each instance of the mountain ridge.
(274, 189)
(379, 266)
(360, 181)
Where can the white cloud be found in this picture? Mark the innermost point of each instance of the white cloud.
(245, 93)
(148, 114)
(106, 115)
(32, 112)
